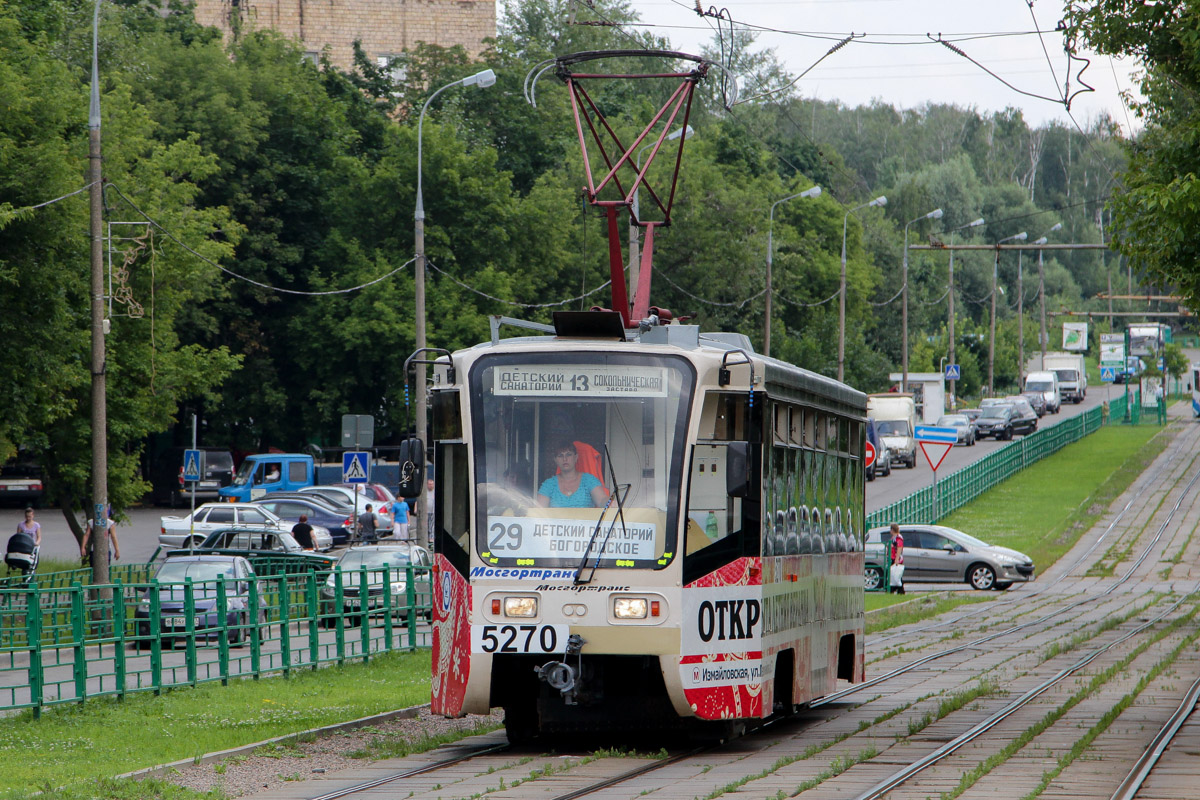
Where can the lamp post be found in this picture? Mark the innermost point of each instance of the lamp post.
(950, 296)
(815, 191)
(1042, 292)
(481, 79)
(935, 214)
(1022, 236)
(878, 201)
(634, 262)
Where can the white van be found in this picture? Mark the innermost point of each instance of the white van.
(1046, 384)
(895, 418)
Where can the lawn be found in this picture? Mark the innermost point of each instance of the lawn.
(77, 745)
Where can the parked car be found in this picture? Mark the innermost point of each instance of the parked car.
(961, 425)
(374, 558)
(359, 500)
(271, 552)
(166, 476)
(204, 572)
(21, 481)
(937, 554)
(337, 524)
(995, 421)
(1025, 419)
(176, 531)
(883, 460)
(1037, 401)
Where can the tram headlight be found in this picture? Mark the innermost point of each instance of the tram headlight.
(630, 608)
(520, 606)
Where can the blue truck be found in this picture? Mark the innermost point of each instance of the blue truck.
(263, 473)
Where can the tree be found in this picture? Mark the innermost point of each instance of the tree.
(1157, 210)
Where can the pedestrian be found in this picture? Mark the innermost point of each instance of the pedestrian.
(110, 533)
(303, 533)
(399, 510)
(31, 527)
(896, 572)
(429, 509)
(366, 525)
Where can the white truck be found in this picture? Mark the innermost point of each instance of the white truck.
(1046, 384)
(895, 416)
(1071, 372)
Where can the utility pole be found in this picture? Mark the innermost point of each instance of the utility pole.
(99, 515)
(992, 340)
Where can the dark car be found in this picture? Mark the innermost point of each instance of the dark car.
(204, 571)
(166, 476)
(1025, 419)
(995, 421)
(319, 513)
(374, 558)
(883, 462)
(271, 552)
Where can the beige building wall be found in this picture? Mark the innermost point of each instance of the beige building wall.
(385, 27)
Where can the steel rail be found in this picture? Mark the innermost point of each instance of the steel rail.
(1144, 766)
(362, 787)
(977, 730)
(974, 732)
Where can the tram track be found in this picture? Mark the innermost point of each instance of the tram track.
(1171, 467)
(829, 731)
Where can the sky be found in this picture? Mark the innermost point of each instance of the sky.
(896, 63)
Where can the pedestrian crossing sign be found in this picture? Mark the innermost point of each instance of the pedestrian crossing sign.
(191, 465)
(355, 467)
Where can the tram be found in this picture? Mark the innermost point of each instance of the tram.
(711, 572)
(639, 526)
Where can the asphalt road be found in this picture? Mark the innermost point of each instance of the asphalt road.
(903, 482)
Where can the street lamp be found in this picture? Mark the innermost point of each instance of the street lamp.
(1042, 290)
(950, 295)
(878, 201)
(813, 192)
(935, 214)
(634, 263)
(483, 80)
(1022, 236)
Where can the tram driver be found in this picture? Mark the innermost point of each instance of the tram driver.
(570, 488)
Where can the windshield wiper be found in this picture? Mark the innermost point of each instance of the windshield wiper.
(620, 515)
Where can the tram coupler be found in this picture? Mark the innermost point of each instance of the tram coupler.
(562, 676)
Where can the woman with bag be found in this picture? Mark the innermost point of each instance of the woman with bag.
(896, 571)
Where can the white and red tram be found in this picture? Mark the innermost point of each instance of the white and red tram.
(719, 583)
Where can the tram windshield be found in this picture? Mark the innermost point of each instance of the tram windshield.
(559, 437)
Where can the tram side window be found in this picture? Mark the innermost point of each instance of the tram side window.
(713, 515)
(452, 499)
(723, 417)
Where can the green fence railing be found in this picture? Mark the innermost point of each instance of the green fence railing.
(65, 644)
(963, 486)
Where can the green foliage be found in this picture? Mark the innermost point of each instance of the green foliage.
(1157, 205)
(302, 178)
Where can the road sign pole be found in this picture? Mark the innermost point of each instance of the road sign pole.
(192, 526)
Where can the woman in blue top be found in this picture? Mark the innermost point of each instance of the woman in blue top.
(570, 488)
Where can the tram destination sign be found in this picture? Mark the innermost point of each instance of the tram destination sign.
(579, 380)
(546, 538)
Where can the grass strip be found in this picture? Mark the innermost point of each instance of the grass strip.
(922, 608)
(1042, 515)
(79, 744)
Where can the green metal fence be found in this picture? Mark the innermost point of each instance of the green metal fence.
(963, 486)
(64, 643)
